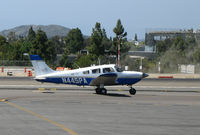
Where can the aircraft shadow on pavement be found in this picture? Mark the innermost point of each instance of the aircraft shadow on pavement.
(48, 92)
(115, 95)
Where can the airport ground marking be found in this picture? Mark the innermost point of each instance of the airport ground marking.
(53, 89)
(41, 89)
(71, 132)
(3, 100)
(121, 90)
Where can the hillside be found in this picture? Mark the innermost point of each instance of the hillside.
(51, 30)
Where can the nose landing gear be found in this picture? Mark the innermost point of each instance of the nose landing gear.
(132, 91)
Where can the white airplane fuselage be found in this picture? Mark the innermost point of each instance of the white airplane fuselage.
(84, 76)
(99, 76)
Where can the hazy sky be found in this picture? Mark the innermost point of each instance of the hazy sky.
(136, 15)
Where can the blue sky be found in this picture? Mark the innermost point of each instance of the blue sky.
(137, 16)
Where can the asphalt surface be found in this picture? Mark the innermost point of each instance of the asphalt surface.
(167, 107)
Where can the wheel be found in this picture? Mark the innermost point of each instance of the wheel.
(132, 91)
(103, 91)
(98, 91)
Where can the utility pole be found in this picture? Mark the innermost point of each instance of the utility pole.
(141, 58)
(118, 61)
(159, 67)
(120, 34)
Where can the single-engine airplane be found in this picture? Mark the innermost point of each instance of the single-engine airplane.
(99, 76)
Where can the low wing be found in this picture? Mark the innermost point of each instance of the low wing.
(105, 79)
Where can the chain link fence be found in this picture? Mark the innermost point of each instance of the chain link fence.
(144, 66)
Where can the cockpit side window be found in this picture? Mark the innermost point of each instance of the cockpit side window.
(118, 69)
(86, 72)
(96, 71)
(107, 70)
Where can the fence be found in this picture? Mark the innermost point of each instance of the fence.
(163, 68)
(130, 64)
(14, 63)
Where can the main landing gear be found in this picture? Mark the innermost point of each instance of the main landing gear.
(132, 91)
(102, 91)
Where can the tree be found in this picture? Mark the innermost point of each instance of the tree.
(135, 38)
(179, 44)
(120, 35)
(44, 48)
(2, 40)
(39, 44)
(13, 50)
(163, 46)
(97, 47)
(83, 61)
(123, 48)
(12, 37)
(16, 51)
(50, 52)
(31, 35)
(119, 30)
(74, 40)
(86, 42)
(58, 43)
(176, 51)
(106, 43)
(64, 59)
(74, 43)
(26, 46)
(196, 55)
(3, 45)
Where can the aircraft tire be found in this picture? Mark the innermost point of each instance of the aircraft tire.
(132, 91)
(98, 91)
(103, 91)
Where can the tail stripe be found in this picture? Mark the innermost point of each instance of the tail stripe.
(35, 57)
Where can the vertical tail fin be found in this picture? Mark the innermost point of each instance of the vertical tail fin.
(40, 66)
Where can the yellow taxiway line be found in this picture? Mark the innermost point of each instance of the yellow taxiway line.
(71, 132)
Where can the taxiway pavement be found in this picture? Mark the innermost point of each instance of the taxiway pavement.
(159, 107)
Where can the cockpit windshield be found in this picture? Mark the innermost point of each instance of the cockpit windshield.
(118, 69)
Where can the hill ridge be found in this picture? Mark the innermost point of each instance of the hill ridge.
(51, 30)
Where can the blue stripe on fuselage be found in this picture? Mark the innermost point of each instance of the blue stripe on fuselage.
(86, 81)
(68, 80)
(127, 81)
